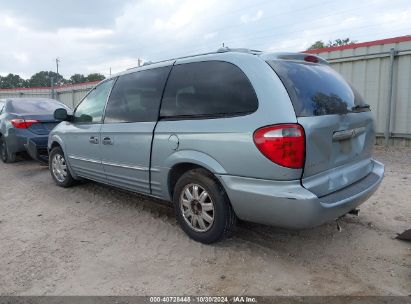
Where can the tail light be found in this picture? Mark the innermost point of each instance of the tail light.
(311, 58)
(282, 144)
(20, 123)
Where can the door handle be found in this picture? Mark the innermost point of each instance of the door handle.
(93, 140)
(107, 141)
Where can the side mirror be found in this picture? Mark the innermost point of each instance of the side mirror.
(61, 114)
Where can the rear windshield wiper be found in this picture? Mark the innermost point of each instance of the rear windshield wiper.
(360, 107)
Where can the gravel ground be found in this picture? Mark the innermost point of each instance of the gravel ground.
(95, 240)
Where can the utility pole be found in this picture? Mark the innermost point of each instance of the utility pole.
(52, 87)
(139, 62)
(110, 71)
(57, 65)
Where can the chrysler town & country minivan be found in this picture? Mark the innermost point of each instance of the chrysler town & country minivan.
(273, 138)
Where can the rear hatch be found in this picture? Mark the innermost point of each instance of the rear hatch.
(338, 124)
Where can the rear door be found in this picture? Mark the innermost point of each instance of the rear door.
(126, 135)
(338, 125)
(82, 136)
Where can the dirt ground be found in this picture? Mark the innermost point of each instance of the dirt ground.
(95, 240)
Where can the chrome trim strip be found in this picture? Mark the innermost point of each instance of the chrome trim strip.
(140, 168)
(85, 159)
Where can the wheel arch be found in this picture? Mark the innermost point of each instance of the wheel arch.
(55, 141)
(183, 161)
(54, 144)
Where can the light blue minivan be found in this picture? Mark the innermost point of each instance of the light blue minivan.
(273, 138)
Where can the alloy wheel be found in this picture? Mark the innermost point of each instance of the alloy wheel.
(197, 207)
(59, 167)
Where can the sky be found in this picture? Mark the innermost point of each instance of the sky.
(92, 36)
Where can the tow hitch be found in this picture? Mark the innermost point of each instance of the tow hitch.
(355, 212)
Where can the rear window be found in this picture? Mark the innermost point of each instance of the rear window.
(316, 89)
(39, 106)
(204, 89)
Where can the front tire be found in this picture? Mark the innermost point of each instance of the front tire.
(5, 154)
(59, 169)
(202, 207)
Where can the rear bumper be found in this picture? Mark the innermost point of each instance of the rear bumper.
(287, 204)
(37, 150)
(17, 140)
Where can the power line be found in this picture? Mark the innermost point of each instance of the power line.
(234, 26)
(233, 39)
(206, 48)
(254, 35)
(245, 37)
(265, 33)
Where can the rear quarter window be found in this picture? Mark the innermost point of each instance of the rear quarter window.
(316, 89)
(204, 89)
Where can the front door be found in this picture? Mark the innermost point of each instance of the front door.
(82, 135)
(127, 132)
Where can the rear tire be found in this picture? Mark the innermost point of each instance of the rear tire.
(6, 155)
(59, 169)
(202, 207)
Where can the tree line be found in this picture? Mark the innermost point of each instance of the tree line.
(45, 79)
(337, 42)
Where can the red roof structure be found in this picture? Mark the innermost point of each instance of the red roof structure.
(64, 86)
(361, 44)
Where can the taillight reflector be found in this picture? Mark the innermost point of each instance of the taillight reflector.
(282, 144)
(20, 123)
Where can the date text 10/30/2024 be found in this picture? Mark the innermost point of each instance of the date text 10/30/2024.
(203, 299)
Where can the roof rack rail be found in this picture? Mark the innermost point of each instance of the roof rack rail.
(220, 50)
(171, 59)
(240, 50)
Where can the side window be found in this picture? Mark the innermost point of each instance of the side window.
(136, 97)
(211, 88)
(90, 110)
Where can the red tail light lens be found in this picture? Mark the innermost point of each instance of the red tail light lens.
(20, 123)
(282, 144)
